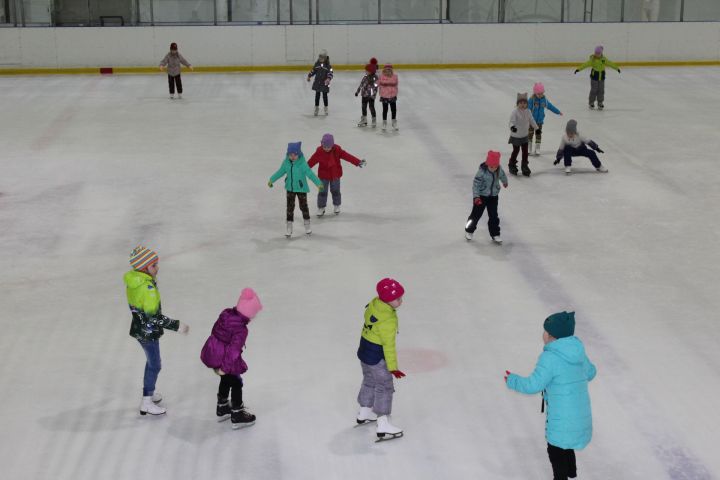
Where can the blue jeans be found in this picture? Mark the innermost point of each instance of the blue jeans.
(152, 366)
(334, 187)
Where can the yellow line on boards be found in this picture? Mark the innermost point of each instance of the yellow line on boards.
(302, 68)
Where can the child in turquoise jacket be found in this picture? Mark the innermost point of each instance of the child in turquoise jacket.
(296, 170)
(562, 373)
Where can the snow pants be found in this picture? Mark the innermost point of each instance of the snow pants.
(174, 81)
(334, 187)
(377, 388)
(581, 151)
(597, 91)
(493, 220)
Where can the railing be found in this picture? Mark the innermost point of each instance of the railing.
(292, 12)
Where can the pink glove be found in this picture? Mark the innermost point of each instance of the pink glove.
(477, 201)
(397, 374)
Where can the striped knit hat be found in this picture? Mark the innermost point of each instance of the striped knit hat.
(142, 257)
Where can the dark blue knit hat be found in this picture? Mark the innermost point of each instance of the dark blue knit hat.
(561, 324)
(294, 147)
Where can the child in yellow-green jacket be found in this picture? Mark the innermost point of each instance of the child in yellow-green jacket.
(378, 358)
(148, 322)
(598, 62)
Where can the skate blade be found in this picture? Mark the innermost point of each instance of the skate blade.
(223, 418)
(388, 436)
(238, 426)
(360, 423)
(152, 414)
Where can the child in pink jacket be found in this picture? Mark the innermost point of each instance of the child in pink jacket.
(223, 353)
(388, 86)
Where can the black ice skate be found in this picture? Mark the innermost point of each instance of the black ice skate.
(240, 418)
(223, 409)
(513, 169)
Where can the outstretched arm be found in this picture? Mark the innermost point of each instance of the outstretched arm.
(538, 380)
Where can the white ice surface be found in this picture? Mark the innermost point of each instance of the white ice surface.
(91, 166)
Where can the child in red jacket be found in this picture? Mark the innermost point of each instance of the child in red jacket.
(328, 155)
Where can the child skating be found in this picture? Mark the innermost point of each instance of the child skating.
(295, 170)
(572, 144)
(388, 86)
(521, 120)
(172, 62)
(328, 155)
(598, 62)
(148, 321)
(537, 105)
(323, 73)
(223, 353)
(368, 89)
(486, 191)
(562, 373)
(378, 359)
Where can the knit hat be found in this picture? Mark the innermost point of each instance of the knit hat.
(173, 46)
(371, 67)
(141, 258)
(521, 97)
(560, 325)
(492, 159)
(571, 127)
(389, 290)
(373, 61)
(248, 304)
(327, 140)
(538, 88)
(294, 147)
(599, 50)
(388, 66)
(323, 53)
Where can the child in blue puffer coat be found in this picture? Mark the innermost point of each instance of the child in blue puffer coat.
(537, 105)
(562, 373)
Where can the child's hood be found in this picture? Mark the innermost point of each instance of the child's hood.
(232, 319)
(134, 279)
(380, 309)
(570, 349)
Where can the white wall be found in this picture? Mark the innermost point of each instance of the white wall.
(355, 44)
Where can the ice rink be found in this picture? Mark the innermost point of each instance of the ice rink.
(92, 166)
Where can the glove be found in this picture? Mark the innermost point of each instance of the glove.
(356, 94)
(397, 374)
(321, 187)
(218, 371)
(270, 184)
(505, 185)
(308, 79)
(558, 157)
(184, 328)
(513, 129)
(576, 71)
(477, 201)
(600, 150)
(507, 372)
(363, 162)
(618, 70)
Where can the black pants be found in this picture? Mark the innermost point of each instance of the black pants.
(563, 462)
(368, 102)
(231, 383)
(582, 151)
(317, 98)
(393, 107)
(172, 81)
(493, 221)
(302, 200)
(513, 157)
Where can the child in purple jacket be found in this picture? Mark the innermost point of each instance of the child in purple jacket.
(223, 353)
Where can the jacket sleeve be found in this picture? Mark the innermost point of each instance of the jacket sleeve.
(314, 159)
(538, 380)
(183, 61)
(585, 65)
(312, 176)
(387, 332)
(590, 370)
(611, 64)
(478, 184)
(349, 158)
(312, 71)
(513, 118)
(150, 309)
(562, 144)
(164, 61)
(280, 172)
(552, 108)
(233, 351)
(362, 84)
(503, 177)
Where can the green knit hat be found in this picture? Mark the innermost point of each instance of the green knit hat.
(560, 325)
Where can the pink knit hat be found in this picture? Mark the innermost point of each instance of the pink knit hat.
(389, 290)
(538, 88)
(493, 159)
(599, 50)
(248, 304)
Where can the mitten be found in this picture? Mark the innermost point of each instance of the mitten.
(505, 185)
(477, 201)
(218, 371)
(321, 187)
(618, 70)
(397, 374)
(270, 184)
(363, 162)
(558, 156)
(507, 372)
(513, 129)
(576, 71)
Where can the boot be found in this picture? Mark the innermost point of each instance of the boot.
(321, 212)
(179, 96)
(512, 168)
(366, 415)
(172, 96)
(317, 109)
(600, 106)
(147, 406)
(592, 106)
(384, 125)
(385, 429)
(362, 122)
(468, 236)
(526, 170)
(223, 409)
(336, 209)
(601, 169)
(497, 239)
(568, 170)
(241, 418)
(395, 125)
(308, 230)
(326, 110)
(157, 397)
(288, 232)
(374, 122)
(537, 149)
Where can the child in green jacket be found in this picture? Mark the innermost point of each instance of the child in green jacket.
(296, 170)
(148, 322)
(598, 62)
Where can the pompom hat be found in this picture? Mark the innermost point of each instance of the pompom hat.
(560, 325)
(538, 88)
(141, 258)
(389, 290)
(249, 303)
(492, 159)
